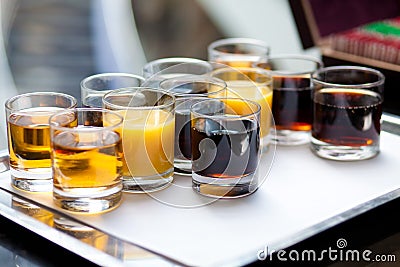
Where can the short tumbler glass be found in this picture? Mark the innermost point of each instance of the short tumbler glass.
(237, 52)
(226, 151)
(187, 91)
(147, 136)
(347, 112)
(87, 160)
(29, 137)
(254, 84)
(94, 87)
(292, 105)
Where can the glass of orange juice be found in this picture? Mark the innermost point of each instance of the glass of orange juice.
(253, 84)
(147, 136)
(237, 52)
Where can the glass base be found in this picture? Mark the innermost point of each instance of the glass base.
(147, 184)
(225, 188)
(343, 153)
(289, 138)
(183, 167)
(87, 200)
(32, 180)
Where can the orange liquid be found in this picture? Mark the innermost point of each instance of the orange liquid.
(148, 142)
(260, 94)
(237, 64)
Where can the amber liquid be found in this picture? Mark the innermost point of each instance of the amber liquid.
(292, 105)
(84, 160)
(232, 153)
(347, 117)
(29, 138)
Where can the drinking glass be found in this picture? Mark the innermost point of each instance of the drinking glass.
(29, 137)
(237, 52)
(94, 87)
(187, 91)
(86, 160)
(147, 136)
(225, 139)
(292, 106)
(254, 84)
(347, 112)
(171, 67)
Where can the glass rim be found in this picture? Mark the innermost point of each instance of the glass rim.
(74, 101)
(109, 74)
(191, 79)
(56, 126)
(224, 117)
(237, 40)
(299, 57)
(194, 98)
(261, 71)
(138, 89)
(177, 60)
(380, 77)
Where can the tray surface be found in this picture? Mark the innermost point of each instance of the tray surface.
(301, 196)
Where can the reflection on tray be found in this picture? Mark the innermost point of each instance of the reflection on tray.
(32, 210)
(4, 161)
(95, 238)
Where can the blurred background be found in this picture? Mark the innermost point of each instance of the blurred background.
(51, 45)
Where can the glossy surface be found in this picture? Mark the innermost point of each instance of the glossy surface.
(362, 226)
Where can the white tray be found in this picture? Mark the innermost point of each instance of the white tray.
(302, 196)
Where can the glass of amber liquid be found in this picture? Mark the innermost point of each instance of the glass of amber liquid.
(225, 137)
(189, 90)
(347, 112)
(148, 134)
(171, 67)
(292, 106)
(237, 52)
(86, 160)
(94, 87)
(29, 137)
(254, 84)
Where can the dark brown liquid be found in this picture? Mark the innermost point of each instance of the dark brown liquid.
(93, 118)
(350, 118)
(292, 105)
(222, 153)
(183, 148)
